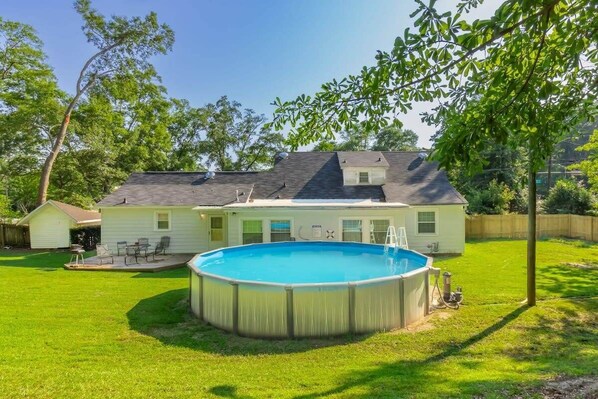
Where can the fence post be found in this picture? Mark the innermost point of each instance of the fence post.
(570, 235)
(482, 227)
(2, 234)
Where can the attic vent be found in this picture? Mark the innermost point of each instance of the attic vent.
(283, 155)
(209, 175)
(422, 155)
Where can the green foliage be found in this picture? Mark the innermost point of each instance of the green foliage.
(496, 199)
(590, 166)
(325, 146)
(514, 79)
(30, 106)
(6, 211)
(88, 236)
(236, 139)
(567, 196)
(391, 138)
(122, 44)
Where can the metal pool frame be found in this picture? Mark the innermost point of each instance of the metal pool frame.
(274, 310)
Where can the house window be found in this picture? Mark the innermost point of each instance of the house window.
(378, 230)
(162, 220)
(352, 230)
(252, 232)
(426, 222)
(364, 177)
(280, 230)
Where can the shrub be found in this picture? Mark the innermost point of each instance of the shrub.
(494, 200)
(86, 236)
(568, 196)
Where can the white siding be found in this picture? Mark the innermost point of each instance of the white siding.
(188, 231)
(303, 220)
(49, 228)
(450, 227)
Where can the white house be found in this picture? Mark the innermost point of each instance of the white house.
(50, 223)
(329, 196)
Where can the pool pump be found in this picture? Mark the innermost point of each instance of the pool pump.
(447, 298)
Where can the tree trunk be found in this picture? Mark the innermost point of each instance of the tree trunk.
(44, 180)
(531, 236)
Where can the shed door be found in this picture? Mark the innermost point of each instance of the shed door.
(216, 232)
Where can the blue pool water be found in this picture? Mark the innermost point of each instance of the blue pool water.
(307, 262)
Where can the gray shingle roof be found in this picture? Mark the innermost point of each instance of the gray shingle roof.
(361, 159)
(182, 188)
(301, 175)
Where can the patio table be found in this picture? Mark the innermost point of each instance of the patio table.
(136, 250)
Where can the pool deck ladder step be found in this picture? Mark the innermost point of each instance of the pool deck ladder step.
(395, 241)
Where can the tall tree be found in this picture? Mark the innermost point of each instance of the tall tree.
(121, 44)
(523, 77)
(229, 137)
(589, 166)
(186, 127)
(120, 127)
(394, 138)
(390, 138)
(30, 104)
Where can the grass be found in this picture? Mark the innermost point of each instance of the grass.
(66, 334)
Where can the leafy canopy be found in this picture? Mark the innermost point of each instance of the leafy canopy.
(523, 76)
(568, 196)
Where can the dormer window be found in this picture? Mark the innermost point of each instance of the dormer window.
(364, 177)
(363, 167)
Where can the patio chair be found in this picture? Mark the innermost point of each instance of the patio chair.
(121, 246)
(162, 246)
(131, 251)
(144, 247)
(103, 252)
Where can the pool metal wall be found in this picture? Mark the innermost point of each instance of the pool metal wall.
(255, 309)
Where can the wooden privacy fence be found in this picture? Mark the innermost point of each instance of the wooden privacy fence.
(515, 226)
(14, 236)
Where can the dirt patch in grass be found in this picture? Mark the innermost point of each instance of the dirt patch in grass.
(561, 388)
(427, 323)
(583, 266)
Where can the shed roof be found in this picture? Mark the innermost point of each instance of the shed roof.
(78, 215)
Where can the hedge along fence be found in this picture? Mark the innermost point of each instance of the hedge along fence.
(86, 236)
(12, 235)
(515, 226)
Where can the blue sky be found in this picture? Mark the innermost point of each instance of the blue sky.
(252, 51)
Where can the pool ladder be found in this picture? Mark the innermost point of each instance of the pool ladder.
(395, 241)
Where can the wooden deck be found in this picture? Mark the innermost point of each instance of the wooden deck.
(162, 262)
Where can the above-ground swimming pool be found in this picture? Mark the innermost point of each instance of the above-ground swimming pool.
(309, 289)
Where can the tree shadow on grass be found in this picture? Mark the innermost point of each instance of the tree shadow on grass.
(568, 280)
(556, 342)
(181, 272)
(406, 375)
(166, 317)
(227, 391)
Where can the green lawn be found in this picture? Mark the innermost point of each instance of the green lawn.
(75, 334)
